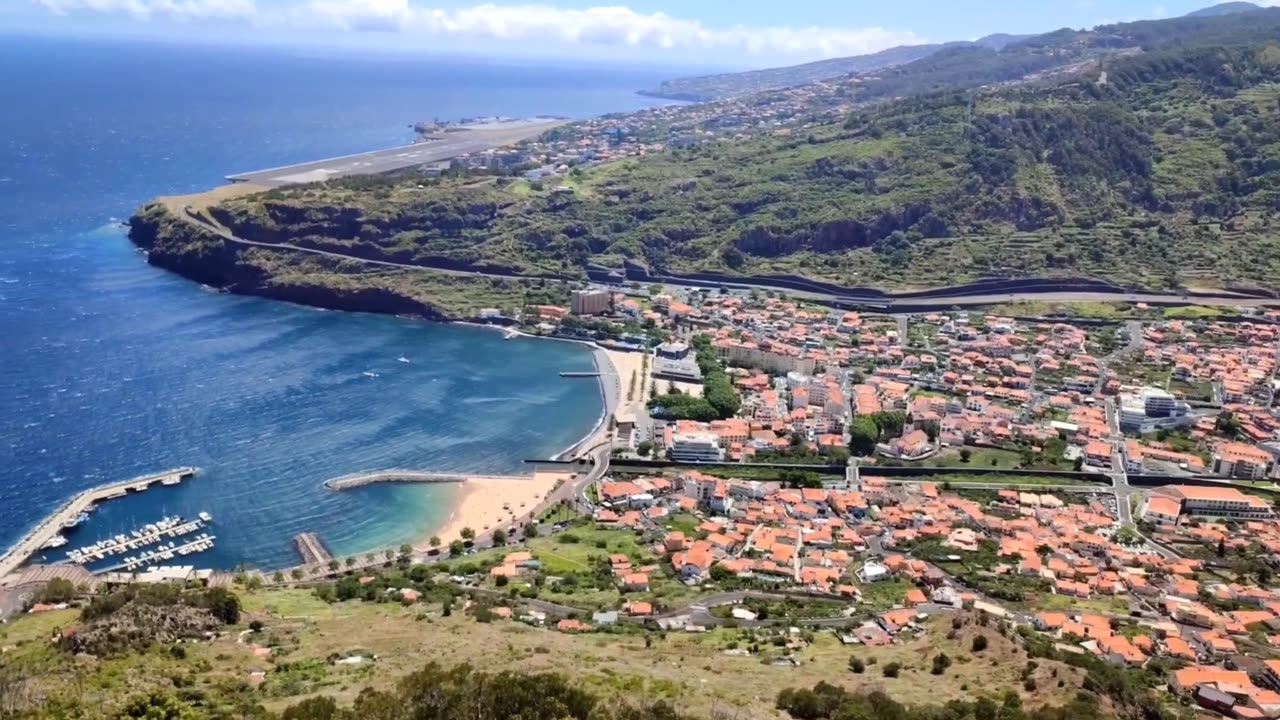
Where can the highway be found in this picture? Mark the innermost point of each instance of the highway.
(894, 304)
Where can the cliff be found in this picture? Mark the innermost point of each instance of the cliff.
(199, 254)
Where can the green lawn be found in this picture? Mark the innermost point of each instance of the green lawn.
(1101, 604)
(1195, 390)
(684, 522)
(979, 458)
(884, 595)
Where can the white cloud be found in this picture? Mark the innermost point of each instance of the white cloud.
(148, 9)
(605, 26)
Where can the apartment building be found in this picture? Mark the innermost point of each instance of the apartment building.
(695, 447)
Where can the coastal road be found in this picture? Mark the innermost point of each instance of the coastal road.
(895, 304)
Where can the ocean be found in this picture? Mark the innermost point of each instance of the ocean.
(110, 369)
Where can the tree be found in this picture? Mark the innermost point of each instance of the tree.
(314, 708)
(531, 531)
(1227, 424)
(333, 565)
(456, 548)
(277, 577)
(720, 573)
(979, 643)
(350, 561)
(467, 533)
(940, 663)
(59, 590)
(499, 537)
(296, 573)
(405, 551)
(434, 541)
(892, 669)
(644, 449)
(1078, 463)
(501, 581)
(1222, 547)
(157, 706)
(857, 665)
(965, 455)
(863, 436)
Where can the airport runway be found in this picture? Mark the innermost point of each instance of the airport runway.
(446, 147)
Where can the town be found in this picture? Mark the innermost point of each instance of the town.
(1104, 480)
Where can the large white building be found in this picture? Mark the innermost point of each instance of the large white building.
(1151, 409)
(749, 354)
(1212, 501)
(695, 447)
(1240, 460)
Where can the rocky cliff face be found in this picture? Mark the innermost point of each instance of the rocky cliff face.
(198, 254)
(181, 247)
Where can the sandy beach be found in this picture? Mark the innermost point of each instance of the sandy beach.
(626, 365)
(489, 503)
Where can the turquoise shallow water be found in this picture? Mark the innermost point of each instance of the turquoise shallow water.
(111, 369)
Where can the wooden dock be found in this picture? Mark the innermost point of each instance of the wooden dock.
(313, 551)
(347, 482)
(34, 540)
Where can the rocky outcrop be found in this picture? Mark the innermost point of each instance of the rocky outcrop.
(197, 253)
(181, 247)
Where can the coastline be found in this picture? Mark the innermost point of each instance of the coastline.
(487, 504)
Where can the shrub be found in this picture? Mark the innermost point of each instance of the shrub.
(857, 665)
(980, 643)
(892, 669)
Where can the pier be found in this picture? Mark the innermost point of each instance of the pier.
(34, 540)
(580, 374)
(347, 482)
(313, 552)
(200, 544)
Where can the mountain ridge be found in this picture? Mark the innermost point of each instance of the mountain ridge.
(720, 86)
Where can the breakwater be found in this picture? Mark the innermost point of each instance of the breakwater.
(73, 508)
(347, 482)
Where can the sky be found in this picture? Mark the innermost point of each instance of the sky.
(721, 33)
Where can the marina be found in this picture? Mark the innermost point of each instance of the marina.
(164, 552)
(170, 527)
(46, 534)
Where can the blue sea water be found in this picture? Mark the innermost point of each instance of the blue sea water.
(110, 368)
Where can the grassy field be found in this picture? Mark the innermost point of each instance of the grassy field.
(1103, 605)
(1089, 310)
(581, 559)
(979, 458)
(306, 633)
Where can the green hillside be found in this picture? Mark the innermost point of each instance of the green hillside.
(1159, 170)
